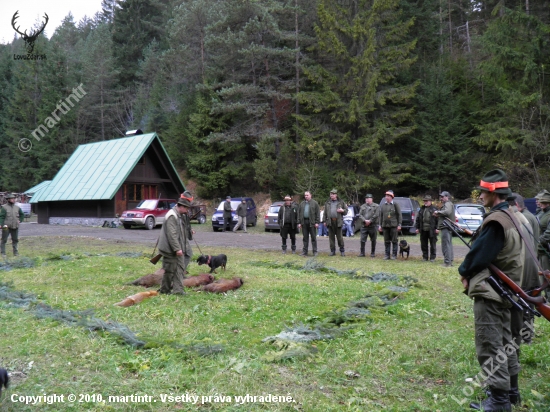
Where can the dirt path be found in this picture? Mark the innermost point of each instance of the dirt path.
(206, 238)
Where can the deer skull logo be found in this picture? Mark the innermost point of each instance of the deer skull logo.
(29, 38)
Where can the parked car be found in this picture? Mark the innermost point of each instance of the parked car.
(469, 216)
(26, 208)
(148, 213)
(251, 217)
(409, 211)
(270, 218)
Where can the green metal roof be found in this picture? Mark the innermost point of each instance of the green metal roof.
(33, 190)
(97, 170)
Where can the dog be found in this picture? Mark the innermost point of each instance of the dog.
(153, 279)
(138, 297)
(213, 261)
(4, 379)
(404, 247)
(223, 285)
(199, 280)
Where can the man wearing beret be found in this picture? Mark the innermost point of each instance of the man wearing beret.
(10, 217)
(447, 211)
(498, 243)
(368, 216)
(426, 225)
(335, 210)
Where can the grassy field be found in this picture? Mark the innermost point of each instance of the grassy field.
(413, 353)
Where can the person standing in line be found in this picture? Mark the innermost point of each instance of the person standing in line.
(11, 216)
(390, 224)
(241, 214)
(288, 222)
(426, 225)
(447, 211)
(369, 215)
(227, 216)
(335, 209)
(309, 221)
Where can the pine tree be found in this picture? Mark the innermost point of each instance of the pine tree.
(357, 107)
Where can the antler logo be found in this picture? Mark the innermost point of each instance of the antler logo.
(29, 38)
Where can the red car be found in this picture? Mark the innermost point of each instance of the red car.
(148, 213)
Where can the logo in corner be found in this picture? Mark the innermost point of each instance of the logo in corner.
(29, 38)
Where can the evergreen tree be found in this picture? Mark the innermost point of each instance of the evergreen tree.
(357, 106)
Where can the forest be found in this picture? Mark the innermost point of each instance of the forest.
(282, 96)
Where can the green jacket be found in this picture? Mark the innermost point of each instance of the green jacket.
(241, 209)
(340, 216)
(510, 259)
(11, 215)
(447, 210)
(369, 212)
(172, 234)
(314, 213)
(390, 215)
(288, 215)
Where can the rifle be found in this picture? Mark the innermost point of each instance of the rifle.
(154, 260)
(505, 286)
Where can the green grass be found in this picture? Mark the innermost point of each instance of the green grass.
(413, 355)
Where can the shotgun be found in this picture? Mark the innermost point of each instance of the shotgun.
(498, 276)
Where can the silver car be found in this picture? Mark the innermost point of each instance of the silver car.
(469, 216)
(270, 218)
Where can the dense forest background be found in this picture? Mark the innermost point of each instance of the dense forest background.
(283, 96)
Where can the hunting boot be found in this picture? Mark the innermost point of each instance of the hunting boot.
(293, 247)
(284, 248)
(498, 401)
(394, 250)
(15, 249)
(372, 249)
(362, 254)
(387, 251)
(513, 393)
(342, 250)
(332, 252)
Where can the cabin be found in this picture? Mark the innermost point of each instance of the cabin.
(100, 180)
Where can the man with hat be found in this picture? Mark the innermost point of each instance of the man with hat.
(309, 219)
(368, 215)
(227, 215)
(543, 217)
(172, 247)
(426, 225)
(288, 222)
(499, 243)
(390, 224)
(335, 210)
(10, 217)
(186, 221)
(447, 210)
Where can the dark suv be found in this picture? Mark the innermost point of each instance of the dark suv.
(409, 211)
(251, 218)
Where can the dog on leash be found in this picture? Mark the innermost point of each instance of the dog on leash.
(223, 285)
(4, 379)
(404, 247)
(213, 261)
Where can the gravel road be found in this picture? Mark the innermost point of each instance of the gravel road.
(205, 237)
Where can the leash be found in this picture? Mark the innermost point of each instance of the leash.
(197, 246)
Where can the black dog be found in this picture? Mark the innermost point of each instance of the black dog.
(4, 379)
(213, 261)
(404, 247)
